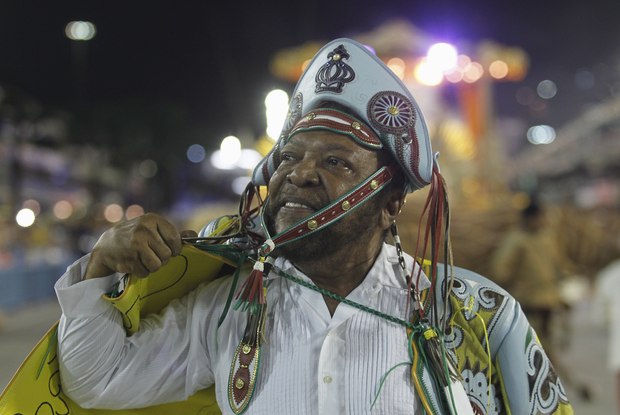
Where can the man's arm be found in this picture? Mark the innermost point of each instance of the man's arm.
(100, 365)
(529, 381)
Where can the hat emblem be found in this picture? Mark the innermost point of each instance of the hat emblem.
(391, 112)
(335, 73)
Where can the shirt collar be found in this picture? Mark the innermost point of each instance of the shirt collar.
(384, 272)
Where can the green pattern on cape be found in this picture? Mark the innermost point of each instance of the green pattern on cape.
(522, 379)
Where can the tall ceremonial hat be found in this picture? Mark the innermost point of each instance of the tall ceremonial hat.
(381, 112)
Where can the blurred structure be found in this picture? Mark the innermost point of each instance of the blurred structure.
(582, 165)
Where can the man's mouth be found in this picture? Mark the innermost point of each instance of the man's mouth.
(291, 211)
(296, 205)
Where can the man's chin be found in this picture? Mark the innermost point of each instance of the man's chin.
(285, 221)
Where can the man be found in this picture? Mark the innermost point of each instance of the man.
(331, 319)
(528, 264)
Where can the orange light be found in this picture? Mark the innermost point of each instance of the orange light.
(63, 209)
(113, 213)
(397, 65)
(498, 69)
(473, 72)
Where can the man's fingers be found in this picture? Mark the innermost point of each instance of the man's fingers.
(160, 249)
(150, 262)
(170, 236)
(136, 268)
(189, 233)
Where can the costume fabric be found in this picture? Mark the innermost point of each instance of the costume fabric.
(312, 363)
(504, 367)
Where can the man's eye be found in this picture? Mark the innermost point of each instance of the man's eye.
(286, 157)
(334, 161)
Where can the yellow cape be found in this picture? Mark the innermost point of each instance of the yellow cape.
(35, 387)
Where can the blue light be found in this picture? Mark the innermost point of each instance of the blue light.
(196, 153)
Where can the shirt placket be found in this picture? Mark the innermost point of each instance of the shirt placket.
(330, 379)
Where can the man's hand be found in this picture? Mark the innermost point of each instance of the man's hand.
(139, 246)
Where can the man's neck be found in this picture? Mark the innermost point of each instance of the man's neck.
(338, 273)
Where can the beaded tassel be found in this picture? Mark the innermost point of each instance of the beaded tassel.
(251, 294)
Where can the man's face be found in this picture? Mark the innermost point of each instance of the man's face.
(316, 168)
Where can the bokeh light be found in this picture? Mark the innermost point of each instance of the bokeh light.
(498, 69)
(457, 73)
(239, 184)
(228, 155)
(248, 159)
(147, 168)
(25, 217)
(196, 153)
(134, 211)
(427, 74)
(541, 134)
(63, 209)
(473, 72)
(443, 56)
(454, 76)
(397, 65)
(81, 31)
(546, 89)
(33, 205)
(113, 213)
(231, 147)
(276, 107)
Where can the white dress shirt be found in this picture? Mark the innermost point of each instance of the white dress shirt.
(312, 363)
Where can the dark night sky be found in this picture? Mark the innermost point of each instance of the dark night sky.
(212, 57)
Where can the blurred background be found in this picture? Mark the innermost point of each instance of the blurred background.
(112, 109)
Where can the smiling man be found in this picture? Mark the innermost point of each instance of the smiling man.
(331, 319)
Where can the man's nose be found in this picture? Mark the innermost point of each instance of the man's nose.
(304, 173)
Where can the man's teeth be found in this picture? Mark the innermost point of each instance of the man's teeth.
(296, 205)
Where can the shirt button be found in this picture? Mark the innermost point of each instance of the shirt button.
(327, 379)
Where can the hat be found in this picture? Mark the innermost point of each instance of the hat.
(349, 74)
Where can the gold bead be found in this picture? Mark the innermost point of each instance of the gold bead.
(311, 116)
(356, 125)
(345, 205)
(393, 110)
(374, 184)
(312, 224)
(336, 57)
(246, 349)
(239, 383)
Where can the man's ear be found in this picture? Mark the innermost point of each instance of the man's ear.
(391, 208)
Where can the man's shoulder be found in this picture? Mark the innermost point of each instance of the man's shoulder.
(475, 295)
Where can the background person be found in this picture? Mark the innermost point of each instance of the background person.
(607, 308)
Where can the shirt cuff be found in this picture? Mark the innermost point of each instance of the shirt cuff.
(83, 298)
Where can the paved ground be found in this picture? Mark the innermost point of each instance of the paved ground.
(583, 358)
